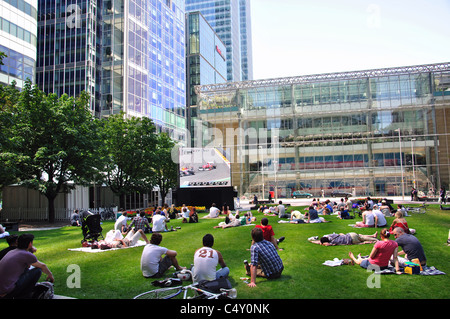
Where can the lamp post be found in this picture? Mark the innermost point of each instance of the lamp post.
(275, 146)
(275, 168)
(401, 161)
(262, 170)
(412, 157)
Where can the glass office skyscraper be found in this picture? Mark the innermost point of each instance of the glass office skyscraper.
(144, 62)
(246, 40)
(129, 55)
(205, 60)
(230, 20)
(372, 132)
(18, 27)
(69, 42)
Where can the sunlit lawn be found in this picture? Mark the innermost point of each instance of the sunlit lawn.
(116, 274)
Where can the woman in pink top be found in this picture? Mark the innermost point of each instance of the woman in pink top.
(380, 255)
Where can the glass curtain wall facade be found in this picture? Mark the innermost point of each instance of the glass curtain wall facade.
(143, 67)
(205, 60)
(246, 40)
(18, 40)
(374, 132)
(68, 48)
(224, 18)
(129, 55)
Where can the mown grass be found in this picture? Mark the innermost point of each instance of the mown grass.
(116, 274)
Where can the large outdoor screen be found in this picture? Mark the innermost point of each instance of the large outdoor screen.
(204, 167)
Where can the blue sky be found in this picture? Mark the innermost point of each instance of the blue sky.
(298, 37)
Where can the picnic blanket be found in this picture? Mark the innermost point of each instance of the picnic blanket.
(333, 263)
(356, 226)
(427, 271)
(90, 250)
(431, 271)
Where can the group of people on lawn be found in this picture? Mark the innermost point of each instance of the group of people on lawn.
(17, 279)
(265, 261)
(385, 252)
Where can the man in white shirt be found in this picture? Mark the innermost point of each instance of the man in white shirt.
(152, 263)
(121, 223)
(380, 220)
(159, 222)
(213, 212)
(281, 209)
(368, 219)
(206, 260)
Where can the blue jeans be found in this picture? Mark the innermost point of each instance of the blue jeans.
(223, 272)
(25, 284)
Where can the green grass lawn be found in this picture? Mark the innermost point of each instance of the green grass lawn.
(116, 274)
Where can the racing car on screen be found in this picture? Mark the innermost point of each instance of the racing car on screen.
(207, 167)
(186, 171)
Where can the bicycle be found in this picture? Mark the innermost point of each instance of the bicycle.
(107, 213)
(422, 209)
(197, 293)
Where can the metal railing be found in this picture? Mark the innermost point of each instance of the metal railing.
(40, 214)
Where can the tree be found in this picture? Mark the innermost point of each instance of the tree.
(57, 139)
(165, 170)
(128, 154)
(9, 161)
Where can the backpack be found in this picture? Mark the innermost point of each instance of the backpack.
(43, 290)
(214, 286)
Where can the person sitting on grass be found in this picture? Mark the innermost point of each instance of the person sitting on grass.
(152, 263)
(214, 212)
(297, 215)
(411, 247)
(380, 255)
(343, 213)
(268, 233)
(159, 222)
(17, 278)
(265, 261)
(140, 222)
(121, 223)
(379, 219)
(193, 216)
(281, 210)
(399, 221)
(368, 220)
(12, 244)
(206, 260)
(313, 216)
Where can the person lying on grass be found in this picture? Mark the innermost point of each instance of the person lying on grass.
(345, 239)
(237, 221)
(114, 239)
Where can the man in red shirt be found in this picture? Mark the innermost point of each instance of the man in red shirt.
(268, 233)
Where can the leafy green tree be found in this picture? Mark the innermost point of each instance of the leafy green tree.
(57, 139)
(9, 161)
(165, 170)
(128, 154)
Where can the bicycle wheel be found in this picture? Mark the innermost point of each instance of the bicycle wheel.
(161, 293)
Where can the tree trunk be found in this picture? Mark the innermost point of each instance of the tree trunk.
(51, 209)
(122, 201)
